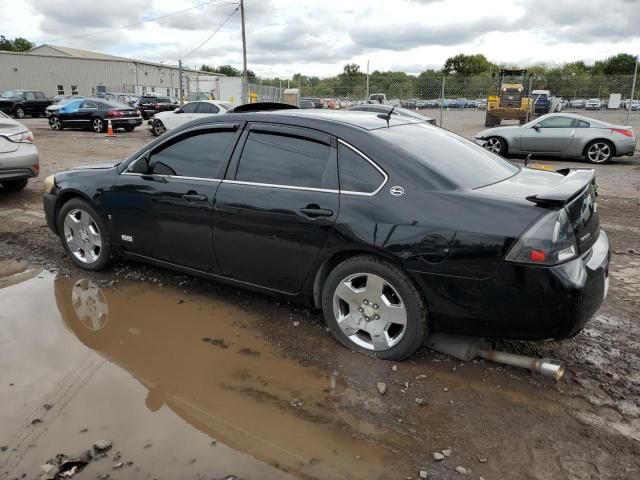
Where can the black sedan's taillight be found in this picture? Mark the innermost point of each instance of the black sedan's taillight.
(550, 241)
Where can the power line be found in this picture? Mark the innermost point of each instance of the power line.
(199, 5)
(211, 36)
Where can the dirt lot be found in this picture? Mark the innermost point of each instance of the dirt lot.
(191, 379)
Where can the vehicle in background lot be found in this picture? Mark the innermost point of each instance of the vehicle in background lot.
(408, 104)
(577, 103)
(562, 135)
(614, 101)
(629, 104)
(163, 121)
(19, 159)
(494, 235)
(94, 114)
(510, 101)
(306, 103)
(58, 98)
(481, 103)
(317, 103)
(20, 103)
(56, 106)
(386, 109)
(635, 105)
(593, 104)
(471, 104)
(541, 101)
(149, 105)
(377, 98)
(330, 103)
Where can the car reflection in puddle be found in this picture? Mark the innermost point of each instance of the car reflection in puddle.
(207, 362)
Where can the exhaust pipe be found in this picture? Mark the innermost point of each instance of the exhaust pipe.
(468, 348)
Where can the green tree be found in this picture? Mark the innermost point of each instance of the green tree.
(620, 64)
(18, 44)
(351, 69)
(465, 65)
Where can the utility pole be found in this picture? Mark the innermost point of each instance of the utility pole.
(245, 86)
(633, 89)
(367, 99)
(180, 79)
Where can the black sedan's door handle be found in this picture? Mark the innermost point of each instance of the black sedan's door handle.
(315, 211)
(194, 197)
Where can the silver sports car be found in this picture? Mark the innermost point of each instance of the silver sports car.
(562, 135)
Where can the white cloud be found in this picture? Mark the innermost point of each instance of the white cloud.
(318, 38)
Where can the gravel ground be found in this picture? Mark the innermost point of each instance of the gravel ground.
(498, 422)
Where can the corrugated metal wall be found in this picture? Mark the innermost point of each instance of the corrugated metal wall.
(45, 73)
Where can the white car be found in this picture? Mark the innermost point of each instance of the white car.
(163, 121)
(593, 104)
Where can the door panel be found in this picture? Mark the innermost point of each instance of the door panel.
(554, 135)
(262, 237)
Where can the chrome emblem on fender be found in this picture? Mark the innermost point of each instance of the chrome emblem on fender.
(396, 191)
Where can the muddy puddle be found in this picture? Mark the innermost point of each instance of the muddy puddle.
(163, 375)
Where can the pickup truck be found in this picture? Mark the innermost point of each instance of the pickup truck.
(20, 103)
(542, 101)
(149, 105)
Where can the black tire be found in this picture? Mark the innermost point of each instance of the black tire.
(19, 112)
(604, 148)
(98, 125)
(158, 128)
(409, 296)
(14, 185)
(55, 123)
(496, 145)
(106, 252)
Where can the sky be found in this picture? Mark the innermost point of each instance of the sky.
(318, 37)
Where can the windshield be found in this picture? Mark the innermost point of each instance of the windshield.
(452, 156)
(11, 94)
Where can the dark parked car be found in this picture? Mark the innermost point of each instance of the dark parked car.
(149, 105)
(403, 112)
(20, 103)
(94, 114)
(394, 229)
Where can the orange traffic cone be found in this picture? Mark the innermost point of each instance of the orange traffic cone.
(110, 130)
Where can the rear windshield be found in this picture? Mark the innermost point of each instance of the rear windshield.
(452, 156)
(116, 104)
(163, 100)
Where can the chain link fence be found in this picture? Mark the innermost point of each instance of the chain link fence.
(451, 98)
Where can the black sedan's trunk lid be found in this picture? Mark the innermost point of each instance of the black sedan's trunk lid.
(574, 189)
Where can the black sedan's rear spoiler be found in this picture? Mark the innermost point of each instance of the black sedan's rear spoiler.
(568, 189)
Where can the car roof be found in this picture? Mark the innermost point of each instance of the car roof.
(363, 120)
(578, 117)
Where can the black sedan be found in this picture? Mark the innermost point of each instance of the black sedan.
(94, 114)
(395, 228)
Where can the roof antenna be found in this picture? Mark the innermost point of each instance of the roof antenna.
(387, 116)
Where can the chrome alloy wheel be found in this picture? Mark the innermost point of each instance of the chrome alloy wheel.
(98, 125)
(369, 311)
(493, 145)
(90, 305)
(599, 152)
(82, 235)
(55, 123)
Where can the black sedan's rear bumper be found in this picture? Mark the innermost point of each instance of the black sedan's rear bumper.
(126, 122)
(522, 302)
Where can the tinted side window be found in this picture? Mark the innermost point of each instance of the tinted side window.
(199, 154)
(88, 104)
(190, 107)
(40, 96)
(285, 160)
(30, 96)
(356, 173)
(557, 122)
(205, 107)
(581, 124)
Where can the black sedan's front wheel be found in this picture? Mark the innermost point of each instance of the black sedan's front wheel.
(55, 123)
(98, 125)
(84, 235)
(373, 307)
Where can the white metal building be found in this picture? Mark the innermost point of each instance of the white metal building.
(69, 71)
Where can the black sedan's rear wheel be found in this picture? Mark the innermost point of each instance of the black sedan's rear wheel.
(496, 145)
(55, 123)
(19, 112)
(98, 125)
(598, 151)
(373, 307)
(84, 235)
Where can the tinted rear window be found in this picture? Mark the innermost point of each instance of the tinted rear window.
(452, 156)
